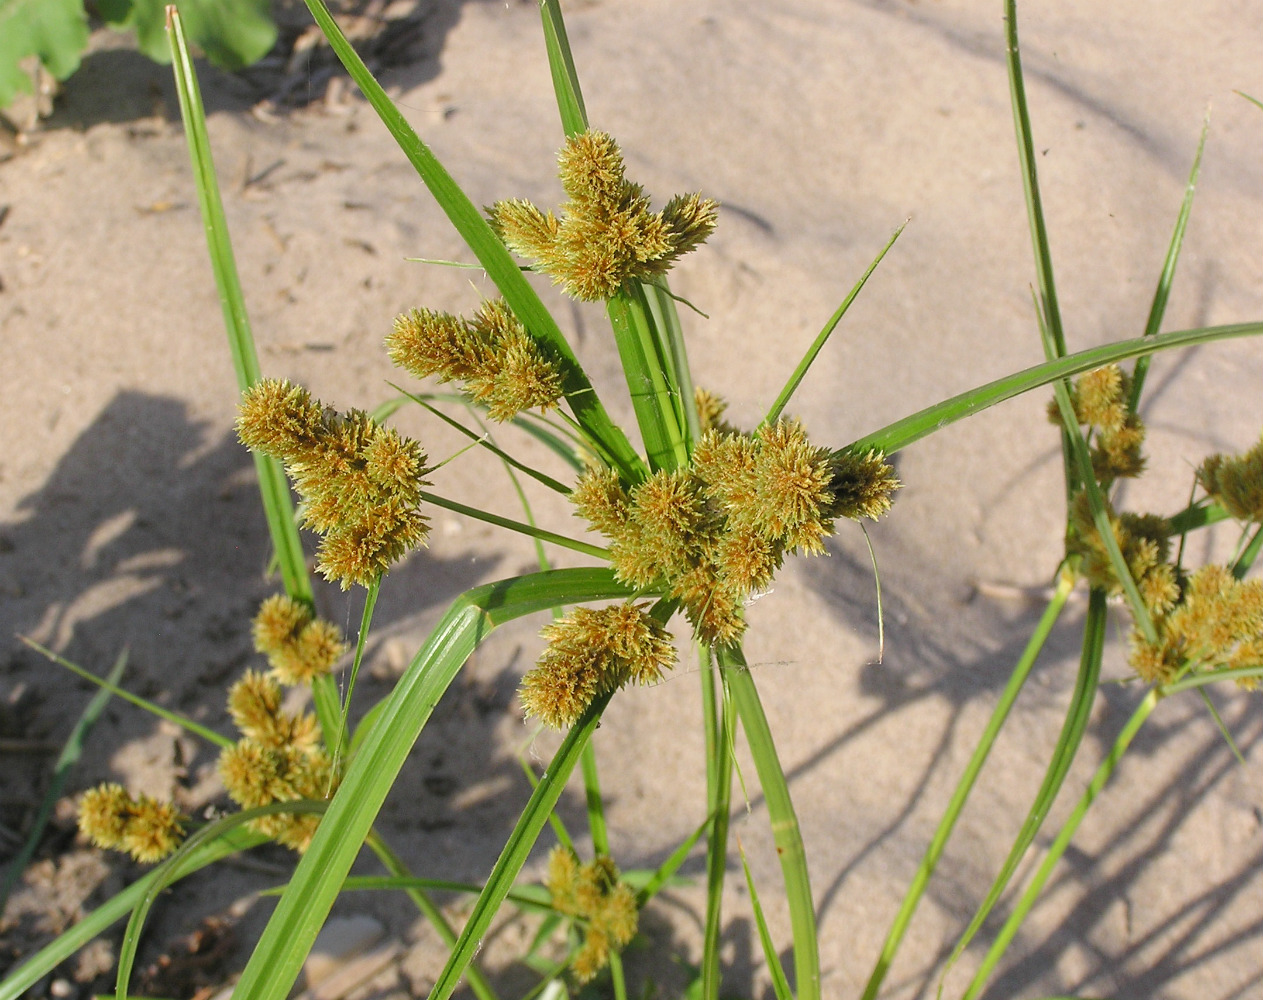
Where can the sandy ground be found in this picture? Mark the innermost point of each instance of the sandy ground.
(129, 516)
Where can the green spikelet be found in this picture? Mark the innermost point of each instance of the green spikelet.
(1236, 482)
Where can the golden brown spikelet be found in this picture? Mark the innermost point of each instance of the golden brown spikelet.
(299, 647)
(591, 652)
(606, 236)
(144, 827)
(600, 498)
(1236, 482)
(360, 483)
(596, 894)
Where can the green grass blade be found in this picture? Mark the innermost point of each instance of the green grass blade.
(1248, 555)
(780, 985)
(490, 251)
(1197, 515)
(560, 442)
(785, 829)
(531, 897)
(1021, 671)
(574, 116)
(20, 980)
(288, 937)
(1163, 291)
(520, 527)
(924, 422)
(799, 373)
(277, 505)
(555, 821)
(720, 720)
(1068, 742)
(66, 760)
(1030, 181)
(1212, 677)
(1253, 100)
(1059, 845)
(183, 721)
(337, 741)
(1221, 725)
(518, 847)
(592, 796)
(666, 319)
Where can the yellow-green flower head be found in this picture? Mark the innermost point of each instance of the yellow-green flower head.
(360, 483)
(254, 703)
(502, 365)
(1236, 482)
(145, 828)
(606, 236)
(257, 775)
(594, 893)
(299, 646)
(590, 652)
(1100, 400)
(1217, 624)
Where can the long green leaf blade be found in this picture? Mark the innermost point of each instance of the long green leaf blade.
(785, 830)
(924, 422)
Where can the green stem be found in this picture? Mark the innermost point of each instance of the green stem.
(1065, 584)
(366, 620)
(1058, 848)
(592, 795)
(785, 830)
(718, 722)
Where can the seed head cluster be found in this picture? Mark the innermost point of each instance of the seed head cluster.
(299, 646)
(717, 531)
(606, 237)
(1100, 402)
(145, 828)
(503, 367)
(1236, 482)
(1143, 539)
(279, 758)
(360, 483)
(591, 652)
(1217, 625)
(595, 894)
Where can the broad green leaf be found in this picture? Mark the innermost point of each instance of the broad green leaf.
(232, 33)
(55, 31)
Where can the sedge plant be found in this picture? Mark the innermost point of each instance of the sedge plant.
(686, 528)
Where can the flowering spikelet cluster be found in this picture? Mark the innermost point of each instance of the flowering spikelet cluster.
(1100, 400)
(360, 483)
(718, 530)
(1217, 625)
(593, 893)
(278, 759)
(299, 646)
(606, 236)
(502, 365)
(591, 652)
(145, 828)
(1236, 482)
(1143, 539)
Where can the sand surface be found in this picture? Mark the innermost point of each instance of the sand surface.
(129, 515)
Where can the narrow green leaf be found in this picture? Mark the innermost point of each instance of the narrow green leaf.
(337, 741)
(1068, 742)
(288, 937)
(1197, 515)
(1253, 100)
(152, 708)
(592, 797)
(520, 527)
(21, 979)
(1059, 845)
(531, 897)
(66, 760)
(1248, 555)
(785, 830)
(574, 116)
(663, 874)
(1163, 291)
(720, 721)
(1021, 671)
(800, 372)
(491, 253)
(924, 422)
(555, 821)
(780, 985)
